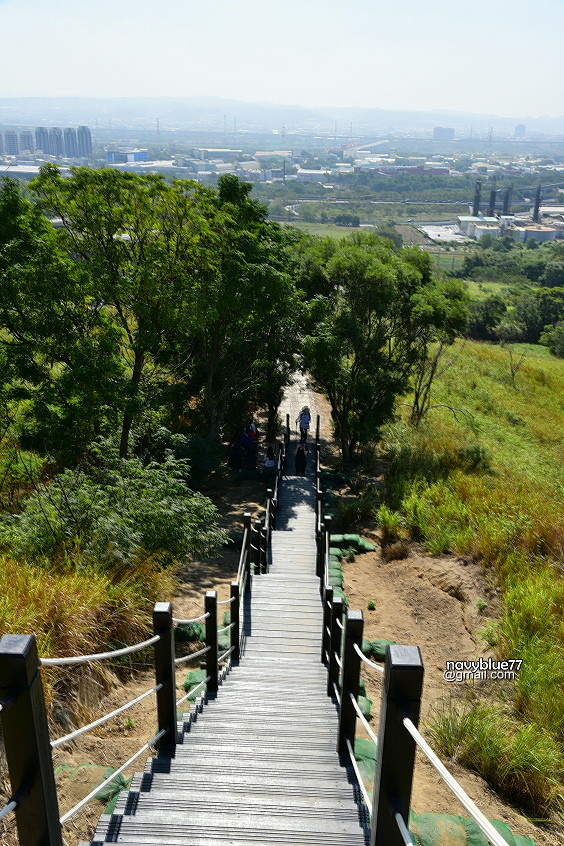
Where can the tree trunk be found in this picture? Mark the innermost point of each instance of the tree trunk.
(128, 414)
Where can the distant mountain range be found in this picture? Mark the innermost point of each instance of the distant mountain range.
(215, 113)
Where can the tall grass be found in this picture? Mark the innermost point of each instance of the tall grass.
(79, 612)
(522, 760)
(483, 478)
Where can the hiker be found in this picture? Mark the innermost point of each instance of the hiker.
(301, 458)
(304, 420)
(270, 458)
(251, 430)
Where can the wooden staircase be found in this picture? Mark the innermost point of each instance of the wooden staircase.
(259, 764)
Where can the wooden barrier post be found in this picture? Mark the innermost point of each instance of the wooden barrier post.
(26, 740)
(401, 697)
(248, 534)
(165, 672)
(351, 677)
(263, 547)
(235, 631)
(272, 510)
(257, 546)
(319, 536)
(317, 425)
(211, 640)
(326, 634)
(327, 521)
(335, 645)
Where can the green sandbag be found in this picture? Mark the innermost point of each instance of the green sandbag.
(359, 544)
(361, 687)
(335, 579)
(437, 829)
(379, 649)
(226, 618)
(335, 551)
(188, 632)
(365, 755)
(337, 540)
(365, 705)
(453, 830)
(192, 680)
(335, 560)
(223, 643)
(367, 647)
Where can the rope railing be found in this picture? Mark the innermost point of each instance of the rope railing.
(365, 795)
(99, 722)
(193, 690)
(366, 660)
(99, 656)
(226, 601)
(199, 619)
(190, 657)
(484, 824)
(73, 811)
(225, 628)
(11, 806)
(363, 719)
(225, 654)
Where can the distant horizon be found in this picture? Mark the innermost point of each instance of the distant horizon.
(286, 105)
(504, 59)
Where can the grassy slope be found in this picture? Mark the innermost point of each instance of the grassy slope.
(490, 485)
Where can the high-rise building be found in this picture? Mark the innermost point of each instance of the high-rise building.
(42, 139)
(11, 142)
(1, 144)
(26, 141)
(443, 133)
(84, 141)
(71, 143)
(520, 130)
(56, 142)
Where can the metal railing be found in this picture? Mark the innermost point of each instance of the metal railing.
(22, 705)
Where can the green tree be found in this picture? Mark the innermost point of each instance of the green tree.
(59, 346)
(148, 249)
(364, 346)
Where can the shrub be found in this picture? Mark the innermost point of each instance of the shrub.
(114, 514)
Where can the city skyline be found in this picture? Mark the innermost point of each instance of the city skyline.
(499, 59)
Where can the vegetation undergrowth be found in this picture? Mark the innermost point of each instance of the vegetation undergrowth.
(481, 477)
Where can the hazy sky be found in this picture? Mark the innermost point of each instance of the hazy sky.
(503, 57)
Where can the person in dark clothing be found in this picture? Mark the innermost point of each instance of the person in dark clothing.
(301, 458)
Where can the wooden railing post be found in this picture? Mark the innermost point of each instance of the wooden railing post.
(335, 645)
(248, 534)
(326, 634)
(26, 740)
(317, 425)
(211, 640)
(272, 510)
(401, 697)
(351, 677)
(235, 640)
(257, 546)
(264, 532)
(165, 672)
(319, 536)
(326, 543)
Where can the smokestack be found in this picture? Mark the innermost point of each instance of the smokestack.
(536, 215)
(493, 192)
(506, 199)
(477, 192)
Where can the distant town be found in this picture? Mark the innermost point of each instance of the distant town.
(325, 169)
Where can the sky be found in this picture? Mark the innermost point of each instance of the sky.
(504, 57)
